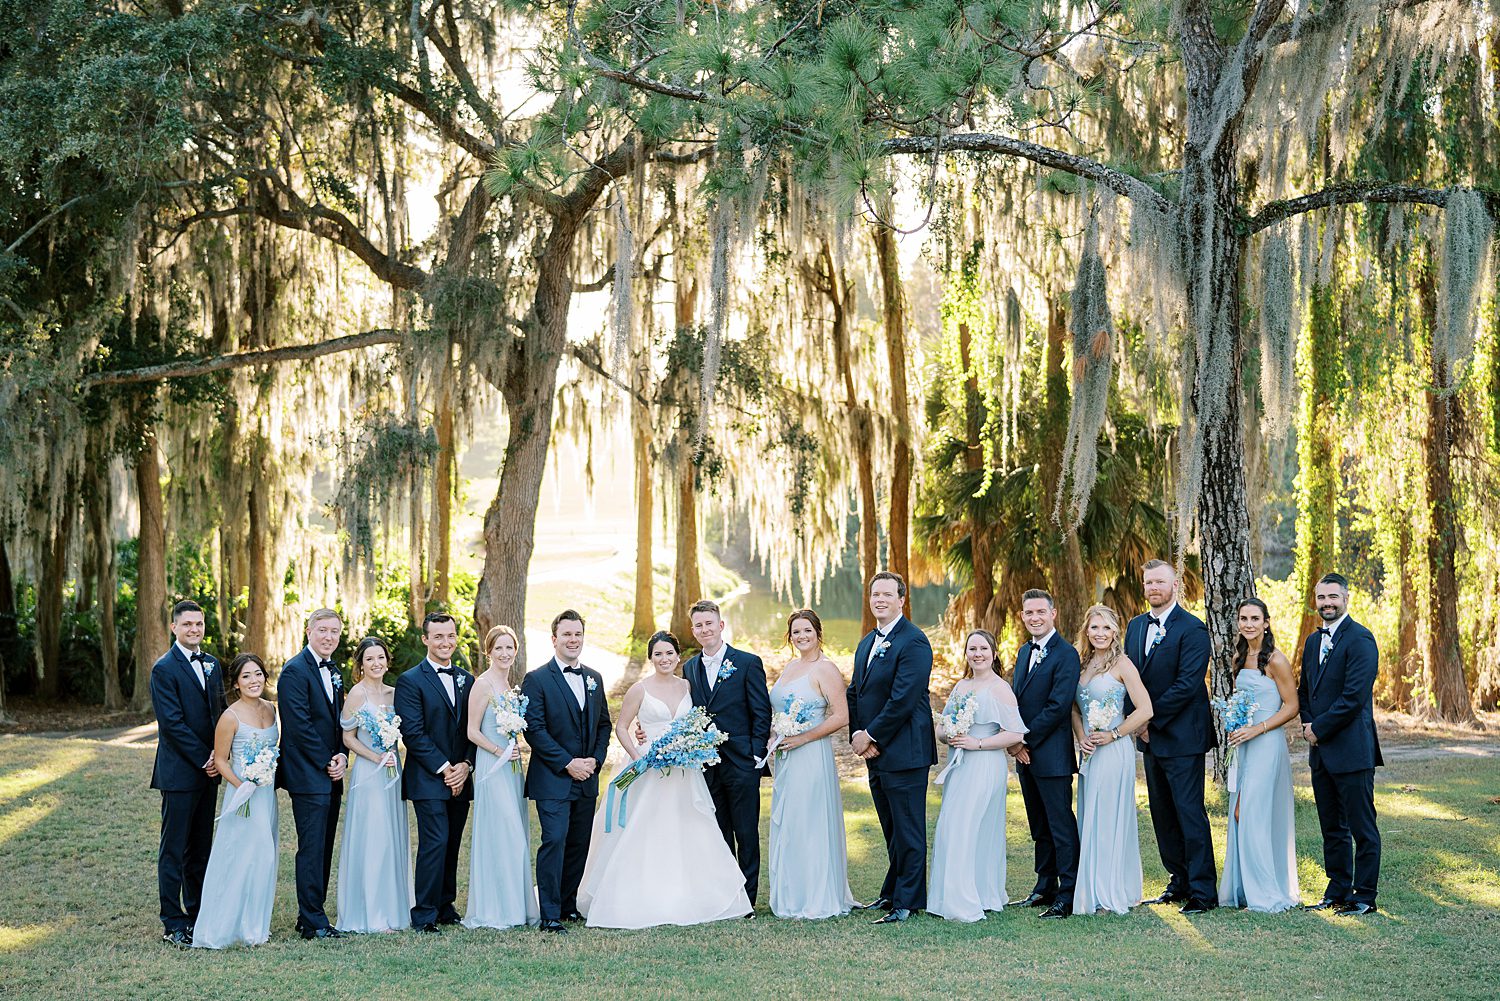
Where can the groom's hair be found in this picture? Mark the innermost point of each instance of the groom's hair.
(1033, 595)
(891, 575)
(567, 615)
(704, 605)
(1335, 578)
(185, 606)
(1157, 564)
(438, 618)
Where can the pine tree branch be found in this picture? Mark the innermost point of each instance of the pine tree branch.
(1117, 181)
(1352, 193)
(241, 359)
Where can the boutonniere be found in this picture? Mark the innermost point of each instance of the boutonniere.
(458, 681)
(726, 670)
(208, 668)
(336, 679)
(882, 648)
(590, 683)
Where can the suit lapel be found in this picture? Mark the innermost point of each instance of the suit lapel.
(321, 694)
(1023, 667)
(555, 672)
(713, 692)
(430, 675)
(191, 673)
(862, 655)
(694, 673)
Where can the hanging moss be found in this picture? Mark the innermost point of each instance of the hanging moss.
(1467, 229)
(1278, 352)
(1093, 335)
(623, 312)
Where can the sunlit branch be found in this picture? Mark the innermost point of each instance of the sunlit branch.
(187, 367)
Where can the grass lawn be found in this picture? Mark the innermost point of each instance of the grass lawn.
(78, 829)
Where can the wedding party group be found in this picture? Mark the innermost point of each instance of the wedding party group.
(676, 838)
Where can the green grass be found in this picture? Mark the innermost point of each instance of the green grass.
(78, 829)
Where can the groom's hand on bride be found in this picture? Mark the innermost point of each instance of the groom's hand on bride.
(579, 769)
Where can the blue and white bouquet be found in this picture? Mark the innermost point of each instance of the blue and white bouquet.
(1237, 711)
(692, 741)
(795, 716)
(957, 720)
(510, 719)
(256, 769)
(1098, 714)
(384, 727)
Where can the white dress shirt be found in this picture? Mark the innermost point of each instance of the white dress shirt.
(323, 673)
(1326, 639)
(575, 681)
(882, 634)
(1041, 644)
(711, 664)
(1152, 630)
(196, 665)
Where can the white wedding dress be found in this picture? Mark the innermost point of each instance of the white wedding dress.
(669, 864)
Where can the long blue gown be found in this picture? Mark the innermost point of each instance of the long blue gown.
(501, 894)
(1109, 850)
(375, 893)
(239, 886)
(1260, 862)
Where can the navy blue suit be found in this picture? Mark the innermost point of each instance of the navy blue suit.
(186, 714)
(1181, 732)
(435, 731)
(1336, 698)
(310, 738)
(1045, 697)
(740, 706)
(888, 699)
(559, 730)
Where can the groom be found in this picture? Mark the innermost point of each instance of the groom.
(1339, 666)
(432, 700)
(310, 693)
(890, 726)
(187, 695)
(567, 726)
(1170, 647)
(730, 685)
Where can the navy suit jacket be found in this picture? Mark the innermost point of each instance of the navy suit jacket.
(740, 705)
(1337, 699)
(1175, 676)
(888, 699)
(558, 731)
(310, 732)
(433, 730)
(1045, 697)
(186, 714)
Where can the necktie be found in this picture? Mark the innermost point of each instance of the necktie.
(710, 675)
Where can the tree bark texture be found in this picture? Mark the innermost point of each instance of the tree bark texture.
(893, 314)
(151, 572)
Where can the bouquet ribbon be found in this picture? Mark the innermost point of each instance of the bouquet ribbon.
(621, 782)
(504, 756)
(954, 757)
(770, 750)
(1232, 780)
(238, 798)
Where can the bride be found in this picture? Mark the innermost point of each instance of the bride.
(668, 865)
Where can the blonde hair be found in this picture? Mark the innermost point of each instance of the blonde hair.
(517, 671)
(1116, 646)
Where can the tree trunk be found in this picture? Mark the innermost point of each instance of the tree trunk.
(1070, 582)
(861, 427)
(1317, 462)
(8, 626)
(442, 501)
(261, 590)
(643, 623)
(1408, 657)
(893, 312)
(529, 387)
(1445, 693)
(981, 560)
(687, 585)
(151, 573)
(49, 601)
(103, 557)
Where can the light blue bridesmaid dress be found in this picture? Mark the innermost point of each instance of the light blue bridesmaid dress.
(375, 893)
(968, 848)
(809, 856)
(240, 883)
(1260, 864)
(501, 894)
(1109, 849)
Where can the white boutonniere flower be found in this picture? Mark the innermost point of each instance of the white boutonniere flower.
(590, 683)
(458, 681)
(882, 648)
(726, 670)
(336, 679)
(208, 669)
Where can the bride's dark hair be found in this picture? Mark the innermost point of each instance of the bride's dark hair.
(662, 636)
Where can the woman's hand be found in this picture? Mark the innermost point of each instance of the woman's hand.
(1244, 733)
(1086, 743)
(793, 742)
(389, 760)
(966, 743)
(1101, 738)
(515, 752)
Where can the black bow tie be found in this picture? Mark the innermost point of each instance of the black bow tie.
(1325, 631)
(573, 670)
(444, 670)
(325, 665)
(197, 658)
(1154, 621)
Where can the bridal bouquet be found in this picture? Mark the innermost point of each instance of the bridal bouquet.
(384, 727)
(1236, 711)
(795, 716)
(957, 721)
(692, 741)
(257, 770)
(510, 719)
(1097, 716)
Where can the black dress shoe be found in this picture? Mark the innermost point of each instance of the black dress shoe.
(180, 938)
(1167, 897)
(1354, 909)
(895, 917)
(573, 916)
(878, 904)
(1057, 910)
(430, 928)
(312, 933)
(1196, 907)
(554, 927)
(1034, 899)
(1326, 904)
